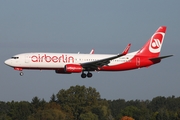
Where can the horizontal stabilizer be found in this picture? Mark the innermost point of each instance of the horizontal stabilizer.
(162, 57)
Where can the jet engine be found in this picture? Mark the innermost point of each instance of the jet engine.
(73, 68)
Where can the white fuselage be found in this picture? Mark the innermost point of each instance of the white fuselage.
(59, 60)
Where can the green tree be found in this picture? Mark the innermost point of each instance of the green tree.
(35, 102)
(4, 108)
(47, 114)
(162, 114)
(157, 103)
(116, 106)
(50, 111)
(19, 110)
(131, 111)
(38, 103)
(53, 98)
(88, 116)
(78, 100)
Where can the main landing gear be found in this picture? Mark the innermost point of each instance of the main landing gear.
(89, 75)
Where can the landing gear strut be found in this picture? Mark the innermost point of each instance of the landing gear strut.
(89, 75)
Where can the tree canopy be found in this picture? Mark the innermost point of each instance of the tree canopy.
(81, 103)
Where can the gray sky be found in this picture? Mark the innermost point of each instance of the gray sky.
(73, 26)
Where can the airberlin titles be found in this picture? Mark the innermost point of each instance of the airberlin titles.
(55, 59)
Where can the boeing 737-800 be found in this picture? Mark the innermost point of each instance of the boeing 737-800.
(67, 63)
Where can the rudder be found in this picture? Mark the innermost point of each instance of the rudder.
(153, 46)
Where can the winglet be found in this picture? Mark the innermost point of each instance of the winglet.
(92, 51)
(126, 49)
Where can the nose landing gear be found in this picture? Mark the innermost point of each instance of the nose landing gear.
(21, 73)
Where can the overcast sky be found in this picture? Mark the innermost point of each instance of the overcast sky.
(78, 26)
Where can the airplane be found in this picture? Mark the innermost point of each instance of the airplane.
(67, 63)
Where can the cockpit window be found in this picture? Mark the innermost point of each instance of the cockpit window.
(15, 57)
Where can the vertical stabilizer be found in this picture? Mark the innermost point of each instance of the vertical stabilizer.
(153, 46)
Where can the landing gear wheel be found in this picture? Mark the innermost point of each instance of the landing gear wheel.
(21, 73)
(83, 75)
(89, 75)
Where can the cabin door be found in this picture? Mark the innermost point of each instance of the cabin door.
(138, 61)
(26, 59)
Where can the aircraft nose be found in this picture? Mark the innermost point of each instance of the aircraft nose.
(7, 62)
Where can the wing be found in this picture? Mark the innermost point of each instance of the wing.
(99, 63)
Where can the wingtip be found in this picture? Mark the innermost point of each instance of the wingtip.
(92, 51)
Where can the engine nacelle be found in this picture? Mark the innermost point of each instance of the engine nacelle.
(61, 71)
(73, 68)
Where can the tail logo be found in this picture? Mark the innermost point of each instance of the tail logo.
(156, 42)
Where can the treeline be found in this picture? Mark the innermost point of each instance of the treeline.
(160, 108)
(81, 103)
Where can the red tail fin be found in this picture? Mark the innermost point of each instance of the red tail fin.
(153, 46)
